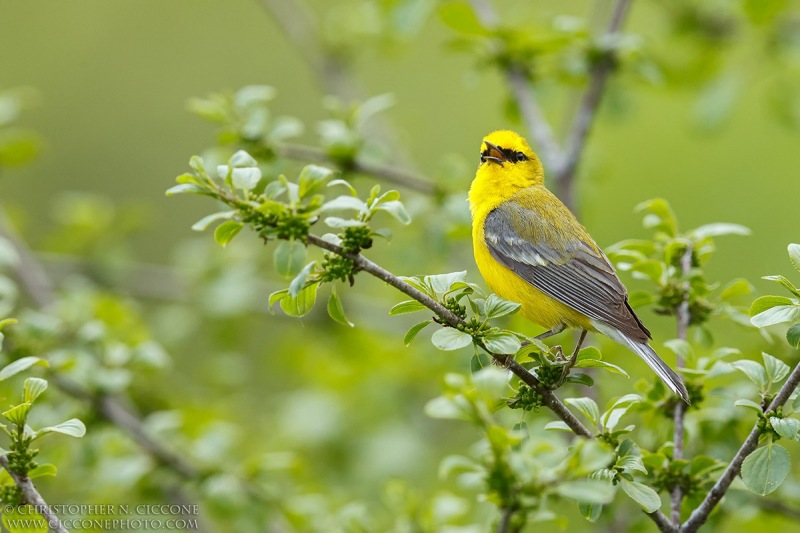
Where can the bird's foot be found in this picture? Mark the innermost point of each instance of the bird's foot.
(557, 352)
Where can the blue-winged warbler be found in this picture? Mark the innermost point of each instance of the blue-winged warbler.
(532, 250)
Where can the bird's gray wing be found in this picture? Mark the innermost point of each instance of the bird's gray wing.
(568, 268)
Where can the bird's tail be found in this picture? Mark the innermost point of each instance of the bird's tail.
(643, 350)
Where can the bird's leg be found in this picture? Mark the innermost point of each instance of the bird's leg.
(574, 358)
(555, 350)
(556, 330)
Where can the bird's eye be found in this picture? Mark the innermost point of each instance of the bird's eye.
(520, 156)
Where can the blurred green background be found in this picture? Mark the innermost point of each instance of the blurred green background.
(713, 128)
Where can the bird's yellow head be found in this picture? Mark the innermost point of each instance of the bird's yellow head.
(507, 165)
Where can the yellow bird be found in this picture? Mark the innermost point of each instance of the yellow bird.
(532, 250)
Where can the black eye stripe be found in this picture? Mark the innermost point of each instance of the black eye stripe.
(510, 155)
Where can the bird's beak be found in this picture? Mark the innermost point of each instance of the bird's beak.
(493, 153)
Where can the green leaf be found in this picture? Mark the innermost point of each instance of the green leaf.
(587, 491)
(788, 428)
(312, 177)
(441, 283)
(641, 494)
(718, 229)
(461, 18)
(750, 404)
(335, 309)
(412, 333)
(226, 231)
(406, 306)
(253, 95)
(450, 339)
(299, 281)
(754, 372)
(345, 202)
(18, 414)
(338, 222)
(496, 307)
(681, 348)
(612, 416)
(736, 288)
(492, 383)
(204, 222)
(47, 469)
(597, 363)
(302, 304)
(768, 302)
(793, 336)
(344, 183)
(72, 427)
(766, 468)
(785, 282)
(21, 365)
(372, 106)
(580, 378)
(775, 369)
(446, 408)
(33, 388)
(660, 216)
(649, 269)
(245, 179)
(277, 296)
(186, 188)
(241, 159)
(289, 257)
(587, 407)
(589, 511)
(794, 255)
(558, 425)
(502, 343)
(397, 210)
(777, 315)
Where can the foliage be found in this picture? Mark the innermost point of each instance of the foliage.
(191, 392)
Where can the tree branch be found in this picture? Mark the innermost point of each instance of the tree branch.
(398, 176)
(38, 286)
(522, 91)
(683, 319)
(576, 138)
(32, 497)
(548, 398)
(122, 417)
(700, 515)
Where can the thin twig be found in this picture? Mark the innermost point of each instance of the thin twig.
(32, 497)
(548, 398)
(29, 272)
(122, 417)
(683, 319)
(662, 522)
(504, 526)
(576, 138)
(700, 515)
(522, 91)
(398, 176)
(38, 286)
